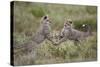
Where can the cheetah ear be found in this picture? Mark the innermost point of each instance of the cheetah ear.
(70, 22)
(83, 25)
(45, 17)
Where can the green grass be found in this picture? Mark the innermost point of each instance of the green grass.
(27, 18)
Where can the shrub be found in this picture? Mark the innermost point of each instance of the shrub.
(38, 11)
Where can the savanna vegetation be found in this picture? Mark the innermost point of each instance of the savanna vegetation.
(27, 17)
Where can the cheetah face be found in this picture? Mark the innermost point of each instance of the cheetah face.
(68, 24)
(46, 20)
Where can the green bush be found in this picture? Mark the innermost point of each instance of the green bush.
(38, 11)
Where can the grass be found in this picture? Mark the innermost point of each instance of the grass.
(68, 51)
(27, 18)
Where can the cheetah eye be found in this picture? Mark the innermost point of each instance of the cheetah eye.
(66, 23)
